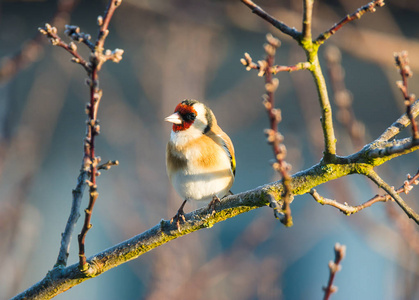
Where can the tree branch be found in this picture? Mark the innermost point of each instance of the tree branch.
(274, 138)
(393, 148)
(400, 124)
(331, 167)
(51, 33)
(390, 190)
(72, 219)
(261, 67)
(345, 208)
(370, 7)
(292, 32)
(326, 109)
(60, 279)
(307, 19)
(402, 64)
(90, 161)
(334, 267)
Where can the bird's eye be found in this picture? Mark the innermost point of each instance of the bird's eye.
(189, 117)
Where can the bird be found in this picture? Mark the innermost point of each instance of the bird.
(200, 159)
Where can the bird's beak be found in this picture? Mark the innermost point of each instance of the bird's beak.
(174, 118)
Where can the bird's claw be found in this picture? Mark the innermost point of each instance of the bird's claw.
(180, 215)
(212, 205)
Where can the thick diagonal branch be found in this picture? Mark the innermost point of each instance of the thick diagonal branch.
(61, 279)
(292, 32)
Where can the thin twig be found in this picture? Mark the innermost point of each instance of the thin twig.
(76, 35)
(292, 32)
(104, 23)
(345, 208)
(407, 186)
(370, 7)
(72, 220)
(51, 33)
(90, 161)
(402, 63)
(108, 165)
(334, 267)
(390, 190)
(273, 136)
(261, 66)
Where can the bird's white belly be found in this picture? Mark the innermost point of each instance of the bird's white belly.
(202, 186)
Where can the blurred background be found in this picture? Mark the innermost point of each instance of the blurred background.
(192, 49)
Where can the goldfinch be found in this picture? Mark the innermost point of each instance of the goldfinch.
(200, 159)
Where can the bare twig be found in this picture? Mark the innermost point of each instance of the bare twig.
(273, 136)
(393, 193)
(74, 33)
(90, 161)
(370, 7)
(108, 165)
(345, 208)
(334, 267)
(292, 32)
(51, 33)
(261, 66)
(72, 220)
(402, 63)
(311, 49)
(407, 186)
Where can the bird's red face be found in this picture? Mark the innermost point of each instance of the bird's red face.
(187, 115)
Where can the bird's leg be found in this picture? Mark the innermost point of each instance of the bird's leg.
(179, 215)
(215, 200)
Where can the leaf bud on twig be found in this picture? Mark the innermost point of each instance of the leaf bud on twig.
(262, 67)
(266, 103)
(269, 49)
(272, 86)
(54, 41)
(117, 55)
(72, 46)
(273, 40)
(42, 30)
(48, 27)
(277, 114)
(99, 20)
